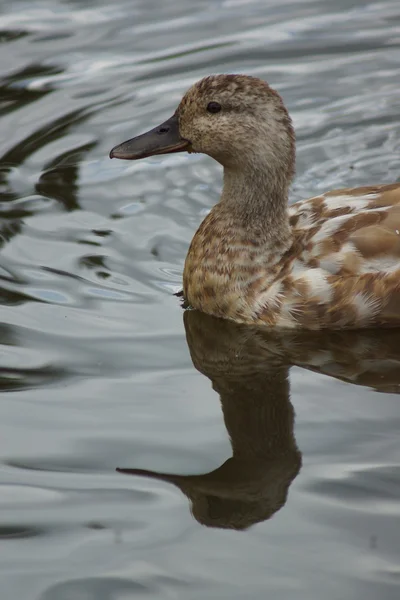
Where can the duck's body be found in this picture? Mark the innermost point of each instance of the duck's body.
(332, 261)
(341, 269)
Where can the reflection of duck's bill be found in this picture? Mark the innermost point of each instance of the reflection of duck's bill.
(206, 483)
(163, 139)
(152, 474)
(234, 480)
(183, 482)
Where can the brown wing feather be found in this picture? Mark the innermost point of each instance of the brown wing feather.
(345, 267)
(366, 218)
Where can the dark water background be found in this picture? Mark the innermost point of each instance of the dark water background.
(95, 368)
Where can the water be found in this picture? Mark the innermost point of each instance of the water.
(288, 493)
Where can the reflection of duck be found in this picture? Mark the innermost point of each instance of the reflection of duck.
(254, 391)
(248, 368)
(328, 262)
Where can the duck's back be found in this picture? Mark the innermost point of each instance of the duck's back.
(343, 270)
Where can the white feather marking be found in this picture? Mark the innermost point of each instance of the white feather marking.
(293, 209)
(366, 306)
(349, 255)
(287, 316)
(271, 298)
(298, 266)
(330, 227)
(286, 321)
(383, 263)
(355, 203)
(348, 250)
(306, 214)
(316, 279)
(332, 262)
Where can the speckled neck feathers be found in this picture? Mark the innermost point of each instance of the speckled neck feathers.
(258, 204)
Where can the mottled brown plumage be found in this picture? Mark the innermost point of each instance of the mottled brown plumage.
(329, 262)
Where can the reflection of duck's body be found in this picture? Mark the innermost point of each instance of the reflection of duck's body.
(328, 262)
(248, 367)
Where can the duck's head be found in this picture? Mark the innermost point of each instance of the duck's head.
(235, 119)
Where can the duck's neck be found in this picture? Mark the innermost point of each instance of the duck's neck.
(237, 250)
(257, 199)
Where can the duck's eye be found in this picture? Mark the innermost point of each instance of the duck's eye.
(213, 107)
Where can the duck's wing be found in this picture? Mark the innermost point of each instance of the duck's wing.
(345, 262)
(354, 230)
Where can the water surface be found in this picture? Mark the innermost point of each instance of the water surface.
(260, 464)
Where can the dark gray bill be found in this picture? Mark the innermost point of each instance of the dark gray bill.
(163, 139)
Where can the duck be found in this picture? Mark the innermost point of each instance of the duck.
(328, 262)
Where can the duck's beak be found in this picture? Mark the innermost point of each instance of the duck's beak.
(163, 139)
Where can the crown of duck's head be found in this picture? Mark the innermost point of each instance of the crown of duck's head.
(238, 120)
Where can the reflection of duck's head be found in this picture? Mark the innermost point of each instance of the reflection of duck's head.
(240, 493)
(254, 392)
